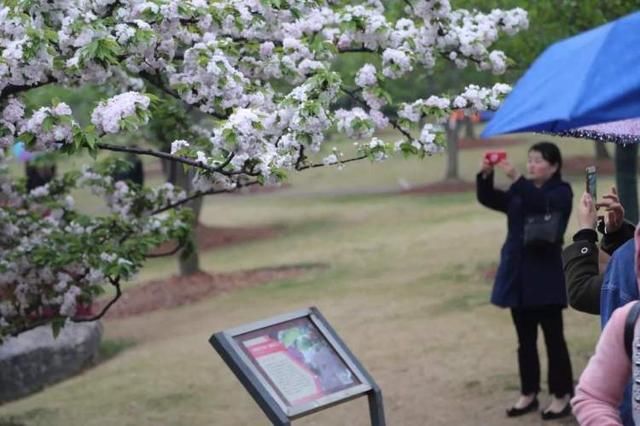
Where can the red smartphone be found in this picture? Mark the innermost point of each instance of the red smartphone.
(494, 157)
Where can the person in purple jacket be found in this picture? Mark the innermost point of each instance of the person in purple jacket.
(530, 280)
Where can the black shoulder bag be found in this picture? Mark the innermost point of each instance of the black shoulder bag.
(542, 229)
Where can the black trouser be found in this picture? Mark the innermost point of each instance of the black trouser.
(560, 376)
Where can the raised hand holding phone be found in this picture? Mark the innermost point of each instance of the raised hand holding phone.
(486, 168)
(614, 211)
(508, 169)
(591, 179)
(494, 157)
(586, 213)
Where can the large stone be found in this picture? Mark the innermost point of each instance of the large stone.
(35, 359)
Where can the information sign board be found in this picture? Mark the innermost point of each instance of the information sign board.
(295, 364)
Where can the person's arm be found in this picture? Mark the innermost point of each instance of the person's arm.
(616, 230)
(487, 195)
(611, 241)
(580, 261)
(581, 272)
(601, 386)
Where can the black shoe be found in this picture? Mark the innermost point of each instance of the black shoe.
(515, 412)
(551, 415)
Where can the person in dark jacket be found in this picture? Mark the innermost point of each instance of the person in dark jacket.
(580, 259)
(530, 280)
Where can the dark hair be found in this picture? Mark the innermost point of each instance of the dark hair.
(550, 152)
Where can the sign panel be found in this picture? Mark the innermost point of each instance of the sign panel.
(295, 364)
(297, 361)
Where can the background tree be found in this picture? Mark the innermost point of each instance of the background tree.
(173, 121)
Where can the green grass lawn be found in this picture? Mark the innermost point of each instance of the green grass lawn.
(404, 287)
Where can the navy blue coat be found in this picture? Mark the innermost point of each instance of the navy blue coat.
(527, 277)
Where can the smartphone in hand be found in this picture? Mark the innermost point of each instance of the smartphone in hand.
(591, 181)
(494, 157)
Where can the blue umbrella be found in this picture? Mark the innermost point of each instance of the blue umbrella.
(587, 79)
(623, 131)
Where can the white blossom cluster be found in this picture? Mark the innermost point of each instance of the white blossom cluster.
(108, 115)
(12, 116)
(481, 98)
(471, 34)
(53, 259)
(415, 111)
(260, 72)
(355, 123)
(366, 76)
(217, 55)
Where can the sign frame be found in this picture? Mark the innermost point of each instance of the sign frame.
(277, 410)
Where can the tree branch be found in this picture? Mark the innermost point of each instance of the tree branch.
(301, 157)
(356, 49)
(171, 157)
(202, 194)
(43, 321)
(393, 122)
(445, 55)
(410, 5)
(114, 282)
(168, 253)
(313, 166)
(12, 90)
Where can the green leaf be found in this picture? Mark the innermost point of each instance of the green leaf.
(203, 59)
(56, 326)
(48, 123)
(280, 174)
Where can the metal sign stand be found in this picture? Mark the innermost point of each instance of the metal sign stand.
(263, 392)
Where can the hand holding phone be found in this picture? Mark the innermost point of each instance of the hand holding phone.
(494, 157)
(613, 211)
(591, 179)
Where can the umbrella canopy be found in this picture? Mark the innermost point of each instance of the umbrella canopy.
(623, 131)
(590, 78)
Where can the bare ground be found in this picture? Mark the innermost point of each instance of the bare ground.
(176, 291)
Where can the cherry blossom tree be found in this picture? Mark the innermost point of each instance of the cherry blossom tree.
(258, 70)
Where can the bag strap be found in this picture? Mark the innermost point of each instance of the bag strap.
(548, 212)
(629, 328)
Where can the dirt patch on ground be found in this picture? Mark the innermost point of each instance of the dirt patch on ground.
(177, 291)
(213, 237)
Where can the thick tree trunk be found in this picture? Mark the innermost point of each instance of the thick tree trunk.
(451, 172)
(627, 179)
(188, 259)
(469, 129)
(601, 151)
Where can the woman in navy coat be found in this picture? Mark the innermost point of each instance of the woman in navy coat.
(530, 280)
